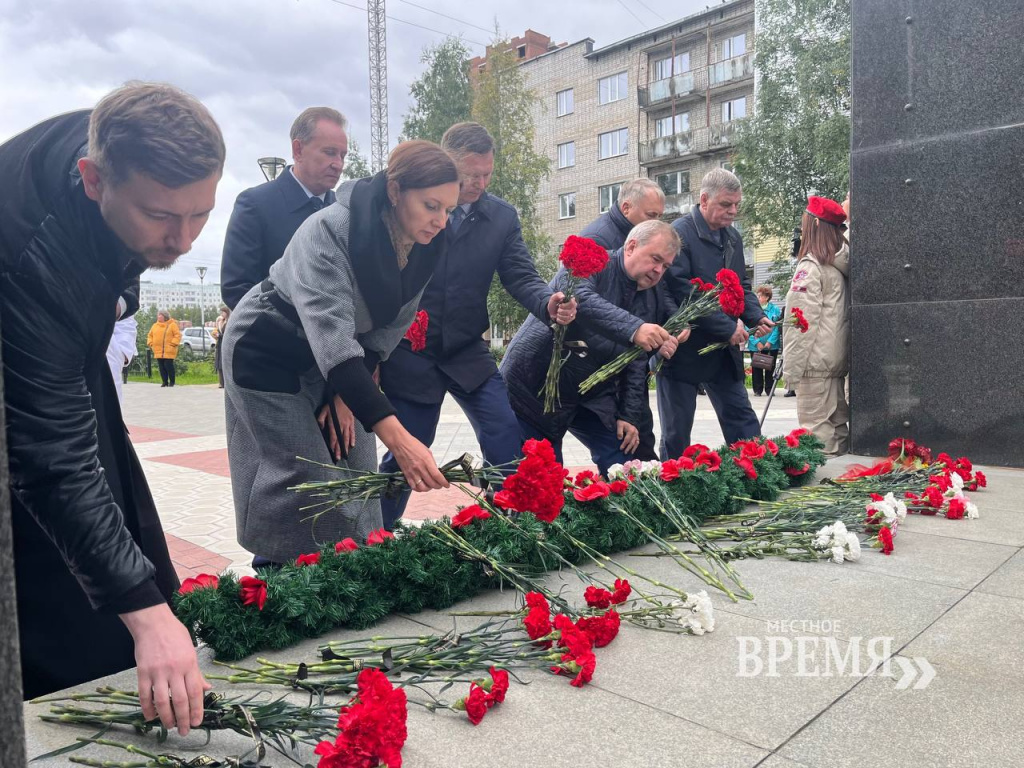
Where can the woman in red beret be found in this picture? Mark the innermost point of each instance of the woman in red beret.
(817, 360)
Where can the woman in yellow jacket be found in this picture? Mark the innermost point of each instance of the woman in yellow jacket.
(816, 363)
(164, 338)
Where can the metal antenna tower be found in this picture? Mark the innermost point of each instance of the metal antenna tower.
(378, 84)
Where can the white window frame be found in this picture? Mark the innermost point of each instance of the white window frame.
(613, 195)
(617, 140)
(567, 154)
(679, 187)
(567, 206)
(679, 123)
(564, 102)
(615, 86)
(731, 47)
(677, 65)
(729, 109)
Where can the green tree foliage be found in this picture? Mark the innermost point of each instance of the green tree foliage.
(798, 141)
(443, 95)
(504, 105)
(356, 166)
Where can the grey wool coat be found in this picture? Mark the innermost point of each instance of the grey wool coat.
(334, 306)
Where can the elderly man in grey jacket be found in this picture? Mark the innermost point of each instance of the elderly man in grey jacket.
(620, 306)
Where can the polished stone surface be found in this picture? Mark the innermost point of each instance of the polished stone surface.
(954, 63)
(955, 386)
(12, 744)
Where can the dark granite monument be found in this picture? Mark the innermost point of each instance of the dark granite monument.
(12, 734)
(937, 227)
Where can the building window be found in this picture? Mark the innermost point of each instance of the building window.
(671, 65)
(565, 102)
(613, 143)
(674, 183)
(732, 47)
(671, 125)
(612, 88)
(521, 51)
(567, 154)
(567, 205)
(734, 110)
(607, 196)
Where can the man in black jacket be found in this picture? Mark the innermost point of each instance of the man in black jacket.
(265, 217)
(639, 200)
(710, 244)
(620, 306)
(484, 238)
(92, 199)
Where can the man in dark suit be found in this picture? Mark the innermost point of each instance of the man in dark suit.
(710, 242)
(483, 237)
(266, 217)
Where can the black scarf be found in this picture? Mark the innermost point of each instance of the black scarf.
(385, 288)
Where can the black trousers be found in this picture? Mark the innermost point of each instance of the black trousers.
(166, 366)
(762, 377)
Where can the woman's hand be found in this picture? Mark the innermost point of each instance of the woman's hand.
(413, 457)
(346, 421)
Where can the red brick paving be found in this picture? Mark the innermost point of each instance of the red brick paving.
(190, 559)
(152, 434)
(213, 462)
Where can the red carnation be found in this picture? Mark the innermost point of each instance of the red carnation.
(792, 442)
(669, 470)
(771, 446)
(709, 459)
(583, 257)
(597, 597)
(622, 591)
(956, 509)
(379, 537)
(700, 285)
(693, 450)
(254, 591)
(346, 545)
(202, 581)
(799, 320)
(885, 539)
(934, 497)
(600, 630)
(980, 480)
(311, 559)
(747, 466)
(537, 623)
(592, 492)
(372, 726)
(618, 487)
(468, 514)
(537, 600)
(794, 472)
(942, 482)
(476, 704)
(731, 296)
(417, 333)
(586, 477)
(499, 684)
(537, 485)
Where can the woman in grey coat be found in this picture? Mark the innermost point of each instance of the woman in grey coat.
(308, 340)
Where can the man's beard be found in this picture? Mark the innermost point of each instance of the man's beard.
(161, 264)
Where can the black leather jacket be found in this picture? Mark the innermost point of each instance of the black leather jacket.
(61, 273)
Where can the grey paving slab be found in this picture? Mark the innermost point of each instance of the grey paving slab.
(995, 526)
(775, 761)
(962, 718)
(1008, 580)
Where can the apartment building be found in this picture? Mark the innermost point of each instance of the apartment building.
(168, 295)
(663, 104)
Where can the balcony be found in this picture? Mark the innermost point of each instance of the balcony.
(666, 148)
(731, 70)
(678, 87)
(722, 135)
(680, 203)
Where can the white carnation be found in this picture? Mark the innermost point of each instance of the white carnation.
(616, 472)
(957, 481)
(852, 547)
(972, 511)
(837, 554)
(701, 616)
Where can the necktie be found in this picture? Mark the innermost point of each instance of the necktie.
(457, 216)
(316, 203)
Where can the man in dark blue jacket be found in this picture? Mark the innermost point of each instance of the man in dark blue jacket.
(484, 237)
(265, 217)
(620, 306)
(638, 201)
(710, 243)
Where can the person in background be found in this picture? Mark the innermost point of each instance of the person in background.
(638, 201)
(265, 217)
(220, 325)
(163, 338)
(768, 345)
(817, 362)
(122, 347)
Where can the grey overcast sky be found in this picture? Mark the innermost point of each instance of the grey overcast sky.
(257, 63)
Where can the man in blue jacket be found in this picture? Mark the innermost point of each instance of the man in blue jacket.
(710, 243)
(265, 217)
(620, 306)
(484, 238)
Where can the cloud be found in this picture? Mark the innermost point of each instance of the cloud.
(256, 64)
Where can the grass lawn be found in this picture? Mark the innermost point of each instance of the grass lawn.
(187, 372)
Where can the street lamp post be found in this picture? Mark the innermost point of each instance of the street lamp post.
(202, 306)
(272, 166)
